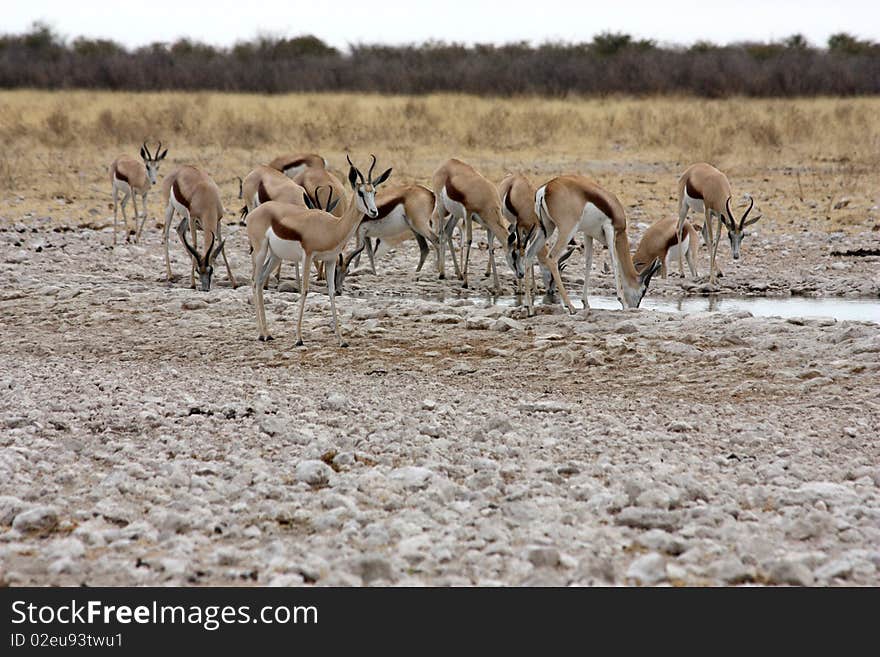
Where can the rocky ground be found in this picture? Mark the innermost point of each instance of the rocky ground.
(146, 437)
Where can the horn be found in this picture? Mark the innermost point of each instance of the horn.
(360, 175)
(208, 250)
(317, 198)
(158, 150)
(329, 198)
(730, 214)
(189, 247)
(370, 172)
(742, 222)
(146, 149)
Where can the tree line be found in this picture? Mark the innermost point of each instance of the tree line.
(612, 63)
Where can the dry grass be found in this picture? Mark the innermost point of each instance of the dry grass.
(57, 145)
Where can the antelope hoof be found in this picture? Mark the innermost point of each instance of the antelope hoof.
(572, 310)
(265, 338)
(299, 343)
(343, 344)
(442, 277)
(464, 285)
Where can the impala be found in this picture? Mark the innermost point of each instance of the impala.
(703, 188)
(192, 193)
(465, 194)
(131, 177)
(572, 203)
(308, 235)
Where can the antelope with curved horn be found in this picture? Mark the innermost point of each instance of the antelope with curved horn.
(703, 188)
(131, 177)
(572, 203)
(293, 164)
(309, 235)
(465, 194)
(401, 209)
(660, 240)
(518, 205)
(194, 196)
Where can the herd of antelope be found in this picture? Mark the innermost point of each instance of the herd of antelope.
(297, 211)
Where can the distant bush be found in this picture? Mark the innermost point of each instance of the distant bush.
(611, 63)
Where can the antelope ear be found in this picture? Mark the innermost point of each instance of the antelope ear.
(531, 233)
(162, 156)
(333, 205)
(382, 178)
(352, 177)
(752, 220)
(511, 238)
(310, 204)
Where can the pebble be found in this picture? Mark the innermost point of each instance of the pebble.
(648, 569)
(314, 472)
(40, 519)
(788, 571)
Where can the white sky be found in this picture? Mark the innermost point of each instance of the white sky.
(340, 22)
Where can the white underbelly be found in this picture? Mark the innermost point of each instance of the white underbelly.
(593, 222)
(287, 250)
(122, 185)
(293, 172)
(454, 208)
(391, 225)
(695, 204)
(672, 253)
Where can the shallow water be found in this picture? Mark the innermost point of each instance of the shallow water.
(864, 310)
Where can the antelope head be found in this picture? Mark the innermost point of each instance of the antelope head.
(152, 160)
(365, 188)
(633, 294)
(735, 232)
(204, 264)
(517, 248)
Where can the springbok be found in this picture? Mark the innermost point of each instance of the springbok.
(703, 188)
(131, 177)
(661, 241)
(304, 234)
(192, 193)
(264, 184)
(293, 164)
(518, 206)
(401, 209)
(572, 203)
(465, 194)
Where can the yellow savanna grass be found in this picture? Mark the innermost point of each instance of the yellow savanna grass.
(59, 144)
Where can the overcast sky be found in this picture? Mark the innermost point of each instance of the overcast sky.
(340, 22)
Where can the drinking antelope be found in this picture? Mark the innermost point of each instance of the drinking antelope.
(465, 194)
(661, 241)
(293, 164)
(303, 234)
(194, 196)
(131, 177)
(703, 188)
(572, 203)
(401, 209)
(518, 206)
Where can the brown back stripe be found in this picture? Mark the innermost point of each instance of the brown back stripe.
(453, 192)
(119, 175)
(262, 194)
(285, 232)
(673, 239)
(508, 205)
(291, 165)
(386, 208)
(600, 202)
(175, 189)
(693, 193)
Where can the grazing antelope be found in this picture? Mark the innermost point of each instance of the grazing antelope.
(661, 241)
(194, 196)
(465, 194)
(303, 234)
(572, 203)
(703, 188)
(401, 209)
(131, 177)
(293, 164)
(264, 184)
(518, 206)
